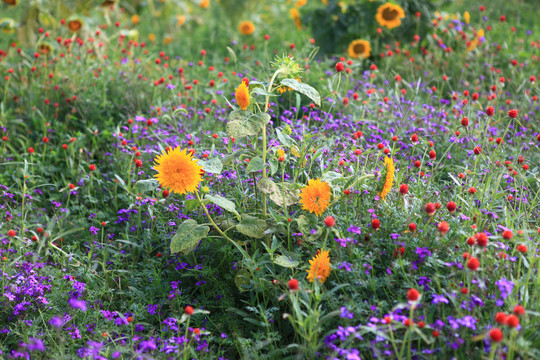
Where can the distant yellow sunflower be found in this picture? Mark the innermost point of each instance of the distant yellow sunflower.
(295, 15)
(242, 96)
(389, 15)
(7, 25)
(75, 24)
(389, 178)
(246, 28)
(177, 171)
(319, 267)
(315, 197)
(135, 19)
(359, 49)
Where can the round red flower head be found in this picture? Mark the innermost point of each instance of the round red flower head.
(340, 67)
(189, 310)
(496, 335)
(451, 206)
(329, 221)
(404, 189)
(293, 284)
(413, 294)
(375, 224)
(473, 264)
(513, 113)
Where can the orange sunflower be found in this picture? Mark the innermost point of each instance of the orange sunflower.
(315, 197)
(389, 15)
(242, 96)
(359, 49)
(319, 267)
(246, 28)
(75, 24)
(389, 178)
(177, 171)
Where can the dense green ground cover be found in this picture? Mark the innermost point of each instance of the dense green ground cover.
(385, 207)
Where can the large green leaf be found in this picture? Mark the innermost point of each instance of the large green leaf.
(214, 166)
(286, 261)
(222, 203)
(252, 227)
(302, 88)
(245, 123)
(144, 186)
(187, 236)
(256, 164)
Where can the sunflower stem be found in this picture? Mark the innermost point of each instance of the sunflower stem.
(246, 255)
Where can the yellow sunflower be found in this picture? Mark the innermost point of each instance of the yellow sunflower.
(7, 25)
(205, 4)
(135, 19)
(75, 24)
(319, 267)
(242, 96)
(11, 2)
(359, 49)
(389, 15)
(315, 197)
(177, 171)
(295, 15)
(389, 179)
(246, 28)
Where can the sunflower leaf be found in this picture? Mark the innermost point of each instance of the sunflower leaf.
(286, 261)
(302, 88)
(244, 123)
(144, 186)
(256, 164)
(222, 203)
(252, 227)
(214, 166)
(187, 236)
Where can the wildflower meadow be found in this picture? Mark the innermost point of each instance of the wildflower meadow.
(288, 179)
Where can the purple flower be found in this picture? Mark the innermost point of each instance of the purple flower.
(438, 299)
(146, 346)
(346, 313)
(77, 304)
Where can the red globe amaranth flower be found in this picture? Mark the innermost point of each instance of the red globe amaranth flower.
(472, 190)
(165, 193)
(412, 227)
(465, 121)
(408, 323)
(421, 324)
(512, 321)
(417, 163)
(471, 241)
(500, 318)
(490, 111)
(432, 155)
(473, 264)
(11, 233)
(522, 248)
(464, 291)
(435, 334)
(375, 224)
(443, 227)
(31, 150)
(404, 189)
(430, 209)
(507, 234)
(481, 239)
(189, 310)
(92, 167)
(513, 113)
(477, 150)
(414, 138)
(496, 335)
(130, 319)
(329, 221)
(413, 294)
(340, 67)
(451, 206)
(519, 310)
(293, 284)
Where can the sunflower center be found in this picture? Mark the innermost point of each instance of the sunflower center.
(389, 14)
(74, 25)
(359, 48)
